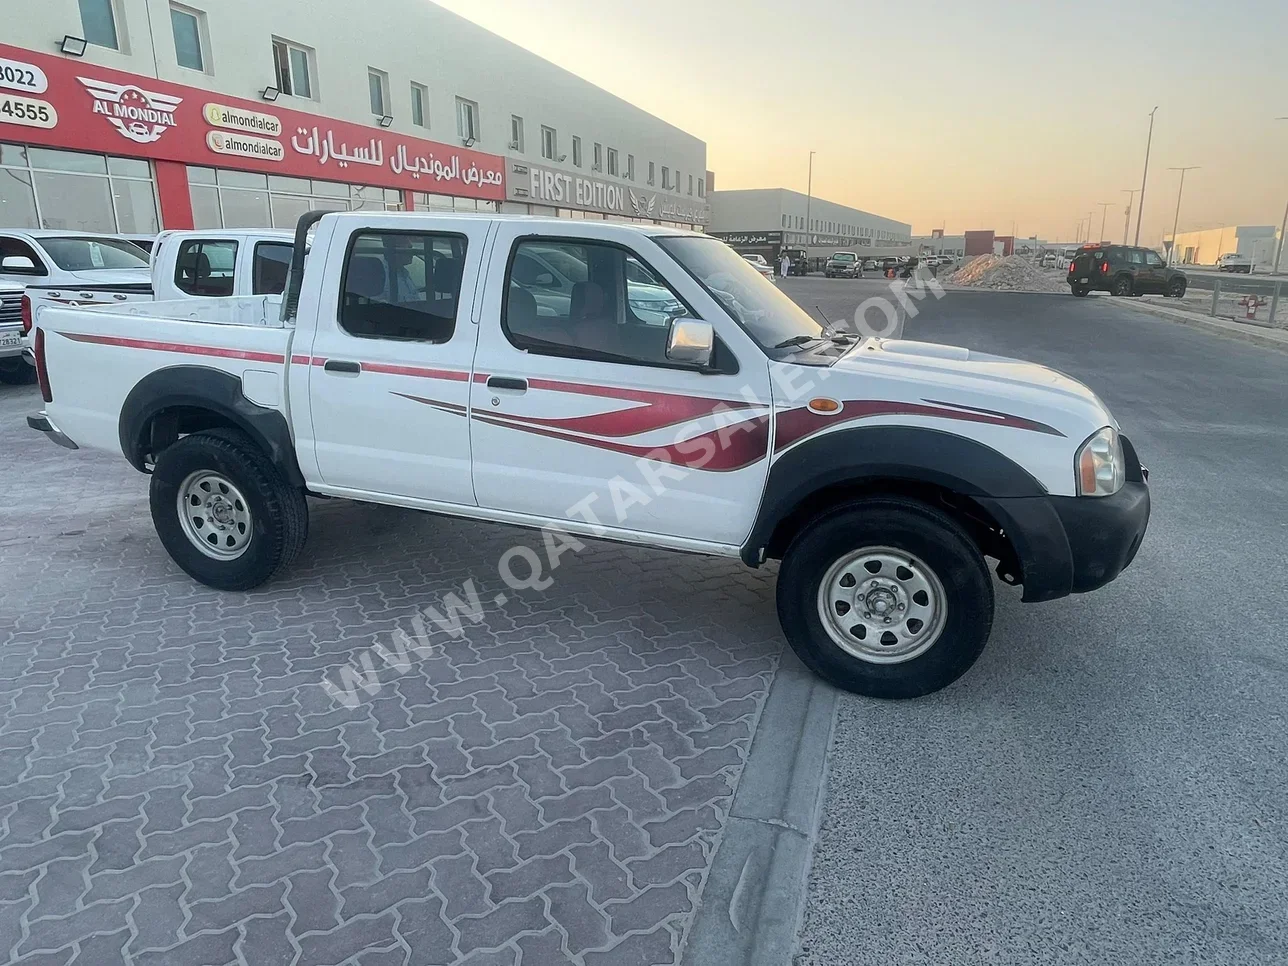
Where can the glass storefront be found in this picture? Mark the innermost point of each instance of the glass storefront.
(432, 202)
(223, 198)
(67, 190)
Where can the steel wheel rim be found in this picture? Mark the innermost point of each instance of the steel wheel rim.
(882, 605)
(214, 515)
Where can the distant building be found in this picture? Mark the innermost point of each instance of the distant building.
(1258, 242)
(766, 220)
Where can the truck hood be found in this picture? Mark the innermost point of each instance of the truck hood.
(958, 376)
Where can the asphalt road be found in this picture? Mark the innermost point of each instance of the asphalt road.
(1107, 784)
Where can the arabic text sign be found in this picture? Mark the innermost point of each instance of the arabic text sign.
(84, 107)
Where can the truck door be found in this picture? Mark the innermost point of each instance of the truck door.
(389, 366)
(576, 410)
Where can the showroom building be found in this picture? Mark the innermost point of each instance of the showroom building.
(766, 221)
(135, 115)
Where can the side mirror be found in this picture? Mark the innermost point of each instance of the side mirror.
(545, 279)
(690, 341)
(17, 263)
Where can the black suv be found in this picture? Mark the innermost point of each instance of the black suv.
(1124, 270)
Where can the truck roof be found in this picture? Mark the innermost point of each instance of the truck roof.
(562, 224)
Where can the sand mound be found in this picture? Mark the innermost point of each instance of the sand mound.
(1009, 274)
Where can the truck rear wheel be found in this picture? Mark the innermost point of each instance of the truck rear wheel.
(224, 512)
(887, 598)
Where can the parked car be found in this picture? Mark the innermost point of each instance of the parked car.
(799, 261)
(763, 267)
(14, 369)
(1124, 270)
(843, 265)
(146, 242)
(882, 492)
(1234, 262)
(97, 268)
(220, 263)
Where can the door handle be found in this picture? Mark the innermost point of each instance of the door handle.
(340, 365)
(505, 382)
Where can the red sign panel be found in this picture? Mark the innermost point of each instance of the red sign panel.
(66, 103)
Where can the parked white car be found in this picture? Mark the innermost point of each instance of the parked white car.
(1234, 262)
(881, 473)
(14, 368)
(763, 267)
(74, 266)
(219, 263)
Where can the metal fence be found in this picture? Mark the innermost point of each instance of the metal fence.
(1255, 301)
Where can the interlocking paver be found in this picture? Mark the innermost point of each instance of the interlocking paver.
(176, 787)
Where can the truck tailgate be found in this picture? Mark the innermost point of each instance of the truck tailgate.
(95, 357)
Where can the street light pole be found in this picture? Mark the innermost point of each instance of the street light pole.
(1104, 210)
(809, 198)
(1283, 227)
(1171, 253)
(1131, 196)
(1148, 143)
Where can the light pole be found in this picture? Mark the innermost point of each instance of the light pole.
(1176, 221)
(1090, 215)
(1131, 196)
(1104, 210)
(809, 198)
(1283, 226)
(1141, 210)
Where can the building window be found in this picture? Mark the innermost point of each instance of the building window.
(597, 162)
(576, 151)
(549, 143)
(652, 177)
(702, 189)
(630, 167)
(294, 67)
(666, 178)
(676, 184)
(467, 119)
(189, 32)
(98, 21)
(784, 221)
(377, 90)
(516, 133)
(690, 184)
(419, 105)
(69, 191)
(612, 161)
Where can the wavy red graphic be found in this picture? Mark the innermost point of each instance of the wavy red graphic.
(794, 425)
(246, 355)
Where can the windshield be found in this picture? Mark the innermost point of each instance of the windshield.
(755, 303)
(843, 257)
(93, 254)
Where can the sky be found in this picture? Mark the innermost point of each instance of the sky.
(970, 114)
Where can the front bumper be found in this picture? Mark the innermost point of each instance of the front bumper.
(1074, 544)
(42, 424)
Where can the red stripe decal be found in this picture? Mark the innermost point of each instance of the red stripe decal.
(451, 375)
(728, 448)
(194, 350)
(794, 425)
(447, 407)
(299, 360)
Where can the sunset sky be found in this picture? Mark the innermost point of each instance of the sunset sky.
(969, 114)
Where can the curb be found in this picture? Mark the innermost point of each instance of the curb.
(1225, 327)
(751, 906)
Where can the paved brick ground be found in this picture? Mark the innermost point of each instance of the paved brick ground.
(176, 787)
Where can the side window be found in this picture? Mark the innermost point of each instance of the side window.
(1135, 256)
(269, 266)
(588, 300)
(402, 285)
(206, 268)
(1152, 259)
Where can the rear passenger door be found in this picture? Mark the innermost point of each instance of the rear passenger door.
(388, 370)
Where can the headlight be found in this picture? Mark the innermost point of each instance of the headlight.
(1100, 466)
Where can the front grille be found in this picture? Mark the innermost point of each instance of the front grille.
(10, 311)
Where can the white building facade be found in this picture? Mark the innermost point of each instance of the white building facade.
(768, 220)
(1257, 242)
(133, 115)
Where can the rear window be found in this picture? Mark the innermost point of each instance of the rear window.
(402, 285)
(269, 266)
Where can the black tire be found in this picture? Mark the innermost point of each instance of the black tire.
(905, 525)
(15, 372)
(1176, 288)
(1122, 286)
(278, 511)
(1079, 291)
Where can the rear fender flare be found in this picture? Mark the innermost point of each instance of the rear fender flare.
(212, 390)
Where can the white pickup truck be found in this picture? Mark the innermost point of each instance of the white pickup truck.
(411, 367)
(14, 369)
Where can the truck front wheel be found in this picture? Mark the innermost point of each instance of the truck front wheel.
(224, 512)
(887, 598)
